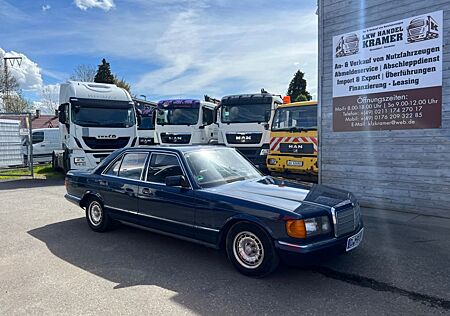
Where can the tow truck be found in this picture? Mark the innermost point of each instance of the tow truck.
(293, 140)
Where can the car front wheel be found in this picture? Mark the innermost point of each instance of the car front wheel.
(251, 250)
(98, 220)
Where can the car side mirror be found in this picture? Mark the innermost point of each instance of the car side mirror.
(177, 181)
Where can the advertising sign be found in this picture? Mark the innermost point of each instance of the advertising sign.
(389, 76)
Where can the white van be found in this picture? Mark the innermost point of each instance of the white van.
(45, 141)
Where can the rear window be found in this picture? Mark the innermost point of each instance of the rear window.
(130, 166)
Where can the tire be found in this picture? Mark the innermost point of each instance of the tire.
(250, 249)
(96, 216)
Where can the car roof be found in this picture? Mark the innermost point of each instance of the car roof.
(181, 149)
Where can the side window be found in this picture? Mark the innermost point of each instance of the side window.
(208, 116)
(114, 169)
(132, 166)
(162, 166)
(38, 137)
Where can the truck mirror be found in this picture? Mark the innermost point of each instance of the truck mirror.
(62, 117)
(201, 127)
(139, 119)
(267, 116)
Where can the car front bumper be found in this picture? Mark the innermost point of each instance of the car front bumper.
(291, 252)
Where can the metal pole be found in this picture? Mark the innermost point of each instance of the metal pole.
(30, 143)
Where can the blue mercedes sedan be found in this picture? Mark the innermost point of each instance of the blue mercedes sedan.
(214, 196)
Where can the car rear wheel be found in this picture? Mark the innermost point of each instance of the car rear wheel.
(250, 249)
(98, 220)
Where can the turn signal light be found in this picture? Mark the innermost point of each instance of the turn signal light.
(296, 228)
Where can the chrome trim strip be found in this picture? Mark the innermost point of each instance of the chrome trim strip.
(163, 219)
(72, 197)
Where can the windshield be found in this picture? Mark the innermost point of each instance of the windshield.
(103, 116)
(214, 167)
(416, 23)
(246, 113)
(146, 123)
(351, 38)
(295, 118)
(178, 116)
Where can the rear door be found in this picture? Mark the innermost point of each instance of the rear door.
(170, 209)
(119, 183)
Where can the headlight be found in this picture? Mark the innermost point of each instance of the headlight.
(264, 152)
(79, 161)
(317, 225)
(308, 227)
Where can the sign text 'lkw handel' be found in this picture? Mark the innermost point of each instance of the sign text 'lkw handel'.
(389, 76)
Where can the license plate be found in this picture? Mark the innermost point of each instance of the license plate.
(295, 163)
(355, 240)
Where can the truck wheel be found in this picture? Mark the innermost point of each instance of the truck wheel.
(250, 249)
(97, 219)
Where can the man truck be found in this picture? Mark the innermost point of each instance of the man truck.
(146, 112)
(293, 140)
(186, 122)
(244, 122)
(94, 120)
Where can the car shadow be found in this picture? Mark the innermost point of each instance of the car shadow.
(204, 280)
(29, 183)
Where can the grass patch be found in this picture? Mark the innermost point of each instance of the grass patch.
(44, 171)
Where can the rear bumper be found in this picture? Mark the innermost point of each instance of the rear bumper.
(74, 199)
(293, 253)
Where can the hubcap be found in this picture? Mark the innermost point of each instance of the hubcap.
(248, 250)
(95, 213)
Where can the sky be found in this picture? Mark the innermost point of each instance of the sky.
(163, 48)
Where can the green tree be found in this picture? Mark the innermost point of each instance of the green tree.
(121, 83)
(297, 88)
(104, 74)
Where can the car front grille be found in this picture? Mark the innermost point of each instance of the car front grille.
(347, 216)
(95, 143)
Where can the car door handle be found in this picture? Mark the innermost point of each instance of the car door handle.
(129, 191)
(147, 191)
(103, 182)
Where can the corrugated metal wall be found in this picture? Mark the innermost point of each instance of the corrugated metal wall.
(11, 152)
(402, 170)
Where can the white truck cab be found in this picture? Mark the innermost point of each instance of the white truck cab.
(95, 119)
(244, 122)
(146, 112)
(186, 121)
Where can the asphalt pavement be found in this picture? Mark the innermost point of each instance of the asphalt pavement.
(52, 263)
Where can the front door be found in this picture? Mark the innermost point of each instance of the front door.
(170, 209)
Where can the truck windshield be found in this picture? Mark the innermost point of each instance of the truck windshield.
(214, 167)
(104, 116)
(246, 113)
(416, 23)
(178, 116)
(296, 118)
(351, 39)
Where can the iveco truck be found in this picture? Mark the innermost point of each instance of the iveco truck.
(186, 122)
(244, 122)
(94, 120)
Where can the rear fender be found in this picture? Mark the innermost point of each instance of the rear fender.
(88, 194)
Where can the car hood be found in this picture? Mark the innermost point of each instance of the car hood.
(287, 195)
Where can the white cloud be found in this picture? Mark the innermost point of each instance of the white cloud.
(239, 54)
(46, 7)
(28, 74)
(101, 4)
